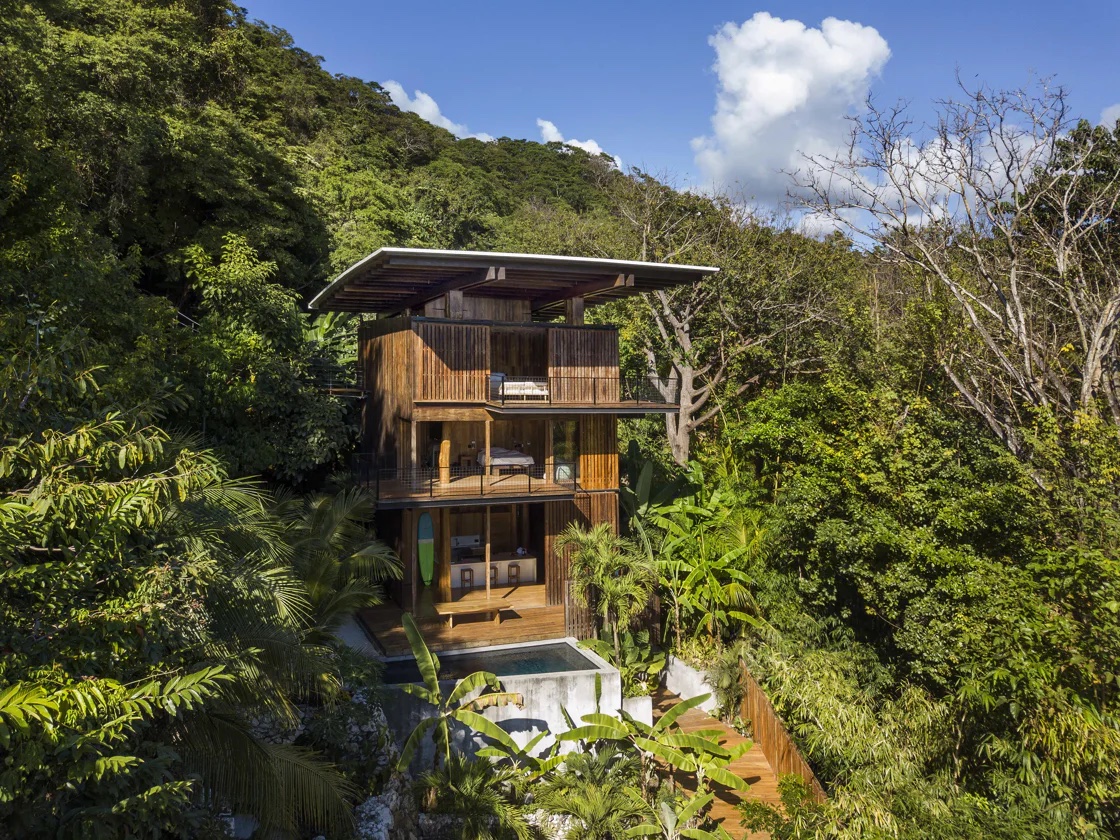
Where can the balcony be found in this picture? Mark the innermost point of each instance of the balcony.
(506, 392)
(428, 486)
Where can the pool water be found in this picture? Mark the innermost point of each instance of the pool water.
(534, 659)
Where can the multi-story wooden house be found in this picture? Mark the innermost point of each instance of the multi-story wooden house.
(489, 425)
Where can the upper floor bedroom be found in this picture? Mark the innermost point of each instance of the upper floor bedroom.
(504, 331)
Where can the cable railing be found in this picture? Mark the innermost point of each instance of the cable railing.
(403, 483)
(330, 375)
(512, 391)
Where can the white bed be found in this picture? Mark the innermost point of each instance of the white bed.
(525, 389)
(500, 457)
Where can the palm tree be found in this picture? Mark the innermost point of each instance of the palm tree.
(455, 707)
(597, 789)
(481, 795)
(609, 572)
(229, 549)
(336, 555)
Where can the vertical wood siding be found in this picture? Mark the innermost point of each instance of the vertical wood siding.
(476, 308)
(598, 457)
(586, 510)
(519, 351)
(385, 352)
(454, 362)
(583, 365)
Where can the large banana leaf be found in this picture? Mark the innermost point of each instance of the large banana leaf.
(594, 732)
(486, 727)
(727, 779)
(670, 717)
(472, 683)
(695, 805)
(664, 752)
(414, 740)
(425, 659)
(695, 743)
(500, 698)
(423, 692)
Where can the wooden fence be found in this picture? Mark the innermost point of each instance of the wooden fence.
(772, 736)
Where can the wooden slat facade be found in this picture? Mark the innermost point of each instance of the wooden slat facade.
(387, 352)
(586, 510)
(454, 362)
(583, 365)
(598, 457)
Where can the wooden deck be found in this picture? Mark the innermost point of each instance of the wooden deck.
(753, 767)
(529, 620)
(473, 484)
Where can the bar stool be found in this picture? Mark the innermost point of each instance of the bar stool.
(466, 578)
(493, 575)
(513, 574)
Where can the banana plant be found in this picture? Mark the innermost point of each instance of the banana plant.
(673, 822)
(699, 752)
(455, 707)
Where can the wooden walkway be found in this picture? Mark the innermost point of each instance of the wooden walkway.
(752, 767)
(530, 620)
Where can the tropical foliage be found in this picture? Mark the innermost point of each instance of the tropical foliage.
(889, 487)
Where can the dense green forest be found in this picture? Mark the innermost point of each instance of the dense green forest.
(895, 464)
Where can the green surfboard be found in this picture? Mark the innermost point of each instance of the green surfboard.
(426, 547)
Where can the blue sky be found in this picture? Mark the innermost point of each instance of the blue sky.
(638, 79)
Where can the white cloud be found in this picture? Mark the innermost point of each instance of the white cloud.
(551, 134)
(422, 104)
(784, 92)
(1110, 115)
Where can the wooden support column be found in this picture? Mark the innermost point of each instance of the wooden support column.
(549, 459)
(445, 554)
(487, 552)
(445, 457)
(573, 310)
(412, 465)
(486, 441)
(455, 304)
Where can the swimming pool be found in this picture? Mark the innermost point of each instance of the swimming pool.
(529, 659)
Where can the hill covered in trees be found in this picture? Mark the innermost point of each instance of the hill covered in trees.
(899, 461)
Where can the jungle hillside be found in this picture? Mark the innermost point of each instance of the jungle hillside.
(890, 489)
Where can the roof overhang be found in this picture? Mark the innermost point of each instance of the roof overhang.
(392, 280)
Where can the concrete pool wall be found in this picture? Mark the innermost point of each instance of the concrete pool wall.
(545, 696)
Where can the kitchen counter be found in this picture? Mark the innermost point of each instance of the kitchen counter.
(528, 563)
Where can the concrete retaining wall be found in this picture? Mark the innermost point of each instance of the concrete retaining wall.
(685, 681)
(639, 708)
(545, 695)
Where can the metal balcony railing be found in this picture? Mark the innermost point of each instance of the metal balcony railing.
(507, 390)
(593, 390)
(404, 484)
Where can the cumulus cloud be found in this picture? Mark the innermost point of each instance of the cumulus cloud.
(1110, 115)
(784, 91)
(551, 134)
(423, 104)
